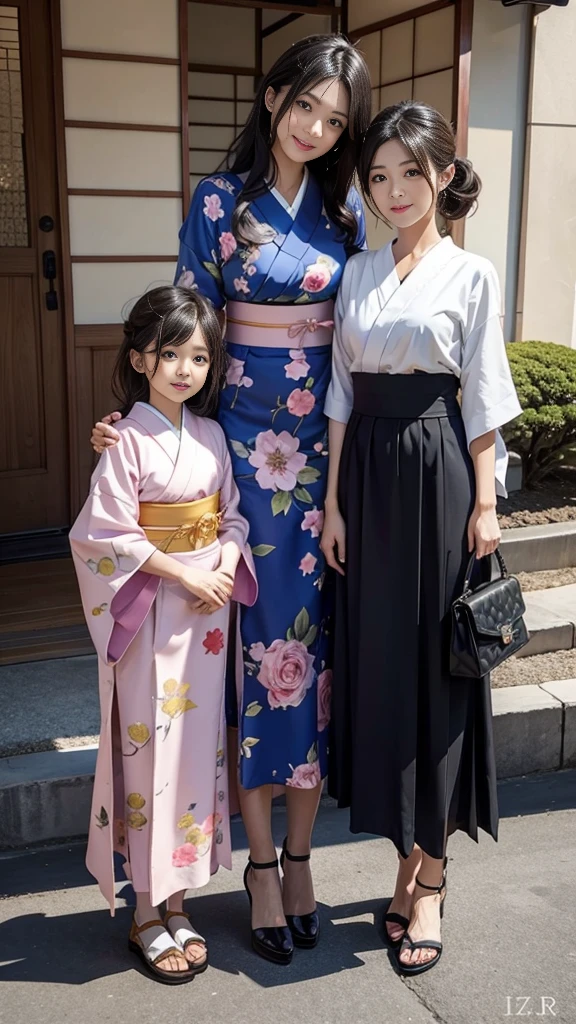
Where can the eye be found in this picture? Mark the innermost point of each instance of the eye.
(377, 179)
(304, 104)
(200, 360)
(168, 354)
(335, 122)
(413, 172)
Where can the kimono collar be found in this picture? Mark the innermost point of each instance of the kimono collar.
(269, 210)
(386, 277)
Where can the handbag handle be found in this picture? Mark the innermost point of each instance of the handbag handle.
(501, 565)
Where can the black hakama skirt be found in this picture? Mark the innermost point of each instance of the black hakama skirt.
(411, 748)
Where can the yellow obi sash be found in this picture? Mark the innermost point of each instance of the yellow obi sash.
(186, 526)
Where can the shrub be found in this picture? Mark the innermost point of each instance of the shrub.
(545, 377)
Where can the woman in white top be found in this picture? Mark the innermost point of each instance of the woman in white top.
(412, 489)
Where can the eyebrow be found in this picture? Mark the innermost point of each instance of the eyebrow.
(317, 99)
(382, 167)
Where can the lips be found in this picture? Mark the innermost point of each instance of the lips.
(180, 387)
(303, 145)
(401, 209)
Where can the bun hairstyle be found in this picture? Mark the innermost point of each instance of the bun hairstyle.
(300, 68)
(430, 140)
(163, 317)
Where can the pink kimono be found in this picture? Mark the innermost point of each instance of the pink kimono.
(160, 792)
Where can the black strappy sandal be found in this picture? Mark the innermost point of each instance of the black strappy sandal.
(305, 928)
(408, 944)
(394, 918)
(274, 943)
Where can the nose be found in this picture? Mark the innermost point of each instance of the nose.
(396, 191)
(184, 369)
(315, 129)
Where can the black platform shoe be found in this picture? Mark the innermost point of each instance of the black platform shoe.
(274, 944)
(305, 928)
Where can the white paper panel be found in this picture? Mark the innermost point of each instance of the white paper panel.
(103, 290)
(243, 112)
(436, 90)
(101, 90)
(98, 158)
(370, 47)
(390, 94)
(245, 87)
(205, 163)
(306, 25)
(106, 225)
(206, 137)
(194, 179)
(397, 45)
(368, 12)
(147, 27)
(221, 35)
(204, 84)
(211, 112)
(375, 101)
(434, 43)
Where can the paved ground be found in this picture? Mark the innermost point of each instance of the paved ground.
(510, 934)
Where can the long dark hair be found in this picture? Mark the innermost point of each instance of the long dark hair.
(430, 140)
(169, 316)
(303, 66)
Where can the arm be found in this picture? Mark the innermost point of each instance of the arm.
(483, 528)
(334, 530)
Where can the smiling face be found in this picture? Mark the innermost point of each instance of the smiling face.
(181, 372)
(399, 188)
(314, 123)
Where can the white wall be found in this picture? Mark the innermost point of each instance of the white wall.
(496, 139)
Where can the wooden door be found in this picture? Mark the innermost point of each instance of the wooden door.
(33, 432)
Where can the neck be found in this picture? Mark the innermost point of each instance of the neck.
(417, 238)
(290, 174)
(171, 410)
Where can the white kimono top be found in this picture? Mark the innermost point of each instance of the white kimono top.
(443, 318)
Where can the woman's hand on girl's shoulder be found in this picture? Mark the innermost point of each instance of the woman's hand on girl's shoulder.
(103, 433)
(333, 543)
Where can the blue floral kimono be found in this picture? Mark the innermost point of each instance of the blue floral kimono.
(276, 396)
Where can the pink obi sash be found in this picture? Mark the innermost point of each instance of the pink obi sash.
(269, 326)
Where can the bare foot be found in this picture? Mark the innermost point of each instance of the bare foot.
(424, 924)
(266, 892)
(176, 962)
(402, 900)
(195, 952)
(297, 888)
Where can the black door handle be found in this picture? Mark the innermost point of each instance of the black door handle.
(49, 271)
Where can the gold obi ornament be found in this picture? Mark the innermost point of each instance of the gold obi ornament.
(187, 526)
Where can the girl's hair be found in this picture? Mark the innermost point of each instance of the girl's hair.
(300, 68)
(169, 316)
(430, 140)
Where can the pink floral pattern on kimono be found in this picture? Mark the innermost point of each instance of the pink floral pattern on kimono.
(305, 776)
(287, 672)
(213, 207)
(277, 460)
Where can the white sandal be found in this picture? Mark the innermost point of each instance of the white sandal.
(186, 935)
(156, 952)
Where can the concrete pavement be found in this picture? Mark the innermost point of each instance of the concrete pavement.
(509, 933)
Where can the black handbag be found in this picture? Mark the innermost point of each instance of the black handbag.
(487, 623)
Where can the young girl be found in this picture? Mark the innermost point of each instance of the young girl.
(268, 240)
(412, 490)
(159, 549)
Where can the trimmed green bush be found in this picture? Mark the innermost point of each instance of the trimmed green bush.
(545, 377)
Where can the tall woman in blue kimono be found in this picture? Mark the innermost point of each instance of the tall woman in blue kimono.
(267, 241)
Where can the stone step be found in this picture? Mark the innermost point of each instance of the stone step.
(550, 619)
(531, 548)
(46, 796)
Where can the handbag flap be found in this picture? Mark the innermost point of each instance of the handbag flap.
(495, 607)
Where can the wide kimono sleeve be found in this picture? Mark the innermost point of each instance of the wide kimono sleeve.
(489, 398)
(109, 549)
(234, 527)
(200, 256)
(355, 204)
(340, 395)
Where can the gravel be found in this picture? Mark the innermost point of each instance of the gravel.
(546, 578)
(539, 668)
(553, 501)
